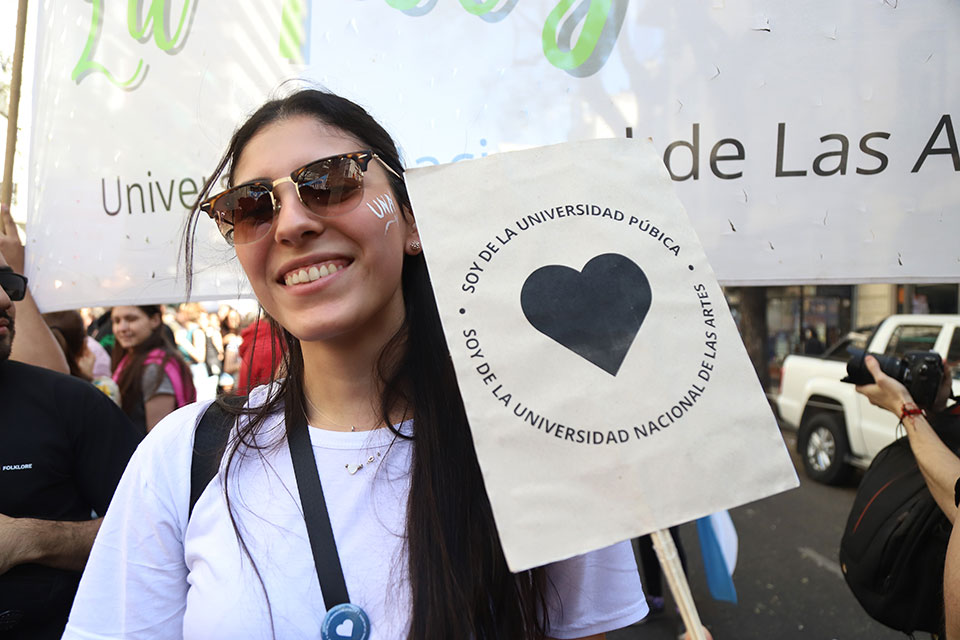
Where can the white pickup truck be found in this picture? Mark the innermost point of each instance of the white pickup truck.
(838, 428)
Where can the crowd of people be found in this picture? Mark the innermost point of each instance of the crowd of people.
(152, 359)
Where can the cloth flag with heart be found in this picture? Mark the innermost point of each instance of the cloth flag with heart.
(607, 389)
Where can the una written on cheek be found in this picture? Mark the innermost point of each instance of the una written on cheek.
(384, 208)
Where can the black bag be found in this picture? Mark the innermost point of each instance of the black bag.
(895, 542)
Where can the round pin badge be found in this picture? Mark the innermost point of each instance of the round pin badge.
(345, 622)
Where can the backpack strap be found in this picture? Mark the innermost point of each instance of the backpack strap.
(172, 370)
(180, 395)
(209, 443)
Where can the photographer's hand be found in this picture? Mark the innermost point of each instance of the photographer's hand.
(886, 392)
(939, 466)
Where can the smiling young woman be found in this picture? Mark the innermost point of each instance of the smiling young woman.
(152, 377)
(390, 503)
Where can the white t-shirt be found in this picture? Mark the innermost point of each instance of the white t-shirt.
(154, 573)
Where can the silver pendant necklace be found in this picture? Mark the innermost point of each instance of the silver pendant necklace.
(352, 468)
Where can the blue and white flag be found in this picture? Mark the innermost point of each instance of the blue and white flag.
(718, 544)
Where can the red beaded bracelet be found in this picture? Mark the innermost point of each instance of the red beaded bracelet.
(910, 409)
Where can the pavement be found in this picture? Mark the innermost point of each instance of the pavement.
(788, 580)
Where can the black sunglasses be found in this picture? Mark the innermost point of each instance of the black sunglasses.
(13, 284)
(326, 187)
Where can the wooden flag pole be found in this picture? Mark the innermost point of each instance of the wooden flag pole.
(673, 570)
(6, 191)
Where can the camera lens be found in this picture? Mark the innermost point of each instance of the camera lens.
(892, 366)
(857, 372)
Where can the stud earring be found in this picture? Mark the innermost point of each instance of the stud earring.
(415, 246)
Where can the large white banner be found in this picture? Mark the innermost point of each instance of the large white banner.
(810, 142)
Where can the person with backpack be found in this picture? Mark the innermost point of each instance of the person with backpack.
(349, 502)
(152, 377)
(939, 465)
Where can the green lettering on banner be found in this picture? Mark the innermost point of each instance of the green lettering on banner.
(155, 15)
(479, 7)
(85, 65)
(293, 30)
(403, 5)
(154, 21)
(593, 25)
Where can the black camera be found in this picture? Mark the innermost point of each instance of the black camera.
(919, 371)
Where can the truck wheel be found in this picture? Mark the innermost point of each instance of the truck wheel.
(822, 444)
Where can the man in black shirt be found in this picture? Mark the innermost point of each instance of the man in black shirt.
(63, 448)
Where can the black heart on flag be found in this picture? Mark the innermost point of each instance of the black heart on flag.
(596, 313)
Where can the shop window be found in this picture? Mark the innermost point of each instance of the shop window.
(939, 298)
(806, 319)
(927, 298)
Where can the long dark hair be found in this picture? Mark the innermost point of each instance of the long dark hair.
(129, 381)
(459, 579)
(67, 329)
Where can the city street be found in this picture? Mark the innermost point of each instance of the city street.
(788, 580)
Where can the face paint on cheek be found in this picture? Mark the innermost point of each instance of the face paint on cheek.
(382, 207)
